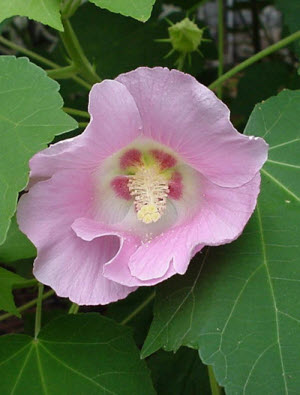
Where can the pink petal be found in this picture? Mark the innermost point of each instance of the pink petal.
(115, 122)
(223, 216)
(183, 114)
(50, 207)
(153, 261)
(117, 268)
(71, 266)
(225, 212)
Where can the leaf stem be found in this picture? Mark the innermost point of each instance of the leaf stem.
(76, 4)
(38, 312)
(220, 45)
(73, 309)
(265, 52)
(138, 309)
(79, 113)
(62, 72)
(214, 386)
(27, 306)
(29, 53)
(76, 53)
(26, 284)
(69, 8)
(41, 59)
(65, 8)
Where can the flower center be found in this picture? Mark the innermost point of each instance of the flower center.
(147, 177)
(150, 190)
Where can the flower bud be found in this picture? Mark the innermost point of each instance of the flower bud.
(185, 36)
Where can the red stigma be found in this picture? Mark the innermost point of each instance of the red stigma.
(131, 157)
(165, 160)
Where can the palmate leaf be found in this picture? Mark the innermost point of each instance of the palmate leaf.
(137, 9)
(30, 117)
(75, 354)
(44, 11)
(240, 306)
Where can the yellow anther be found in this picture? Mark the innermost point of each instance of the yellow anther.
(148, 214)
(150, 191)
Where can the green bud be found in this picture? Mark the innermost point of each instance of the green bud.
(185, 36)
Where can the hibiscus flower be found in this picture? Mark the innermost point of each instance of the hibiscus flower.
(158, 173)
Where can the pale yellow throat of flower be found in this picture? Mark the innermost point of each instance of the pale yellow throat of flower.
(150, 191)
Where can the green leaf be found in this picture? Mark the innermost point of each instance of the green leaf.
(137, 9)
(16, 246)
(113, 45)
(239, 304)
(44, 11)
(117, 45)
(179, 374)
(82, 354)
(291, 11)
(30, 117)
(7, 281)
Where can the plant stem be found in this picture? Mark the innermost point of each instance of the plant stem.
(62, 72)
(76, 4)
(65, 8)
(38, 312)
(73, 111)
(220, 44)
(41, 60)
(26, 284)
(26, 306)
(73, 309)
(214, 386)
(265, 52)
(69, 8)
(29, 53)
(138, 309)
(76, 53)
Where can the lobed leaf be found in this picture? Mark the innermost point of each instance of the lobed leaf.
(30, 117)
(44, 11)
(239, 304)
(82, 354)
(137, 9)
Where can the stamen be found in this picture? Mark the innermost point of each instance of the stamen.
(150, 190)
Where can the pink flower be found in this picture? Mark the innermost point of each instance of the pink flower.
(158, 173)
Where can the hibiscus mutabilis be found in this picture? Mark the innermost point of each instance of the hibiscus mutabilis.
(159, 173)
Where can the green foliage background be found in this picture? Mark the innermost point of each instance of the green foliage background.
(237, 308)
